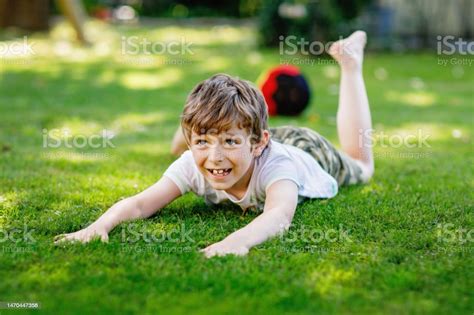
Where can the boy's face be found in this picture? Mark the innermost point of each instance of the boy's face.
(226, 159)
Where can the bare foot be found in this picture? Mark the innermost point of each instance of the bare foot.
(349, 52)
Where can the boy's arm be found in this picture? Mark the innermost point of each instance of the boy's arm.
(142, 205)
(280, 204)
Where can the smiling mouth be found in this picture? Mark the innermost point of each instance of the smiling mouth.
(219, 172)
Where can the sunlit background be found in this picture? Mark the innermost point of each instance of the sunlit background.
(119, 72)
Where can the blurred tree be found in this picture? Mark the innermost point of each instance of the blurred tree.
(466, 9)
(26, 14)
(33, 15)
(425, 12)
(180, 8)
(229, 8)
(321, 20)
(75, 13)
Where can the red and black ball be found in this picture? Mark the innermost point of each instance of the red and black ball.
(286, 91)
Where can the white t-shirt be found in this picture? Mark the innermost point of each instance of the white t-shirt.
(278, 161)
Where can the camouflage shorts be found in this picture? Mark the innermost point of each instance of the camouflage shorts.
(343, 168)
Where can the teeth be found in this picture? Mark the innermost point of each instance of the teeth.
(220, 171)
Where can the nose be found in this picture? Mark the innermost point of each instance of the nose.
(215, 154)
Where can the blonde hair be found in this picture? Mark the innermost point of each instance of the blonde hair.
(222, 101)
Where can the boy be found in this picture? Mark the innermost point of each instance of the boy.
(232, 157)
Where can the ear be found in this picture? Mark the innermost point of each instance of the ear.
(262, 144)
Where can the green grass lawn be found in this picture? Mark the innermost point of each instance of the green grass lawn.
(409, 249)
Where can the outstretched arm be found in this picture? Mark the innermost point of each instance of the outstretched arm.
(280, 205)
(142, 205)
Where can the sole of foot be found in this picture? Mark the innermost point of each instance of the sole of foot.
(349, 52)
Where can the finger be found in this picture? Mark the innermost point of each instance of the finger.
(241, 251)
(209, 254)
(104, 238)
(73, 237)
(60, 236)
(214, 252)
(62, 240)
(58, 241)
(205, 251)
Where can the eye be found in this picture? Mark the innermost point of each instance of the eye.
(230, 141)
(233, 142)
(200, 142)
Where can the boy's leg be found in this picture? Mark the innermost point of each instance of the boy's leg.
(353, 117)
(338, 164)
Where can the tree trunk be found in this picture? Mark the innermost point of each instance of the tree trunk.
(26, 14)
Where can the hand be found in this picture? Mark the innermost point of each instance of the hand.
(225, 247)
(83, 236)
